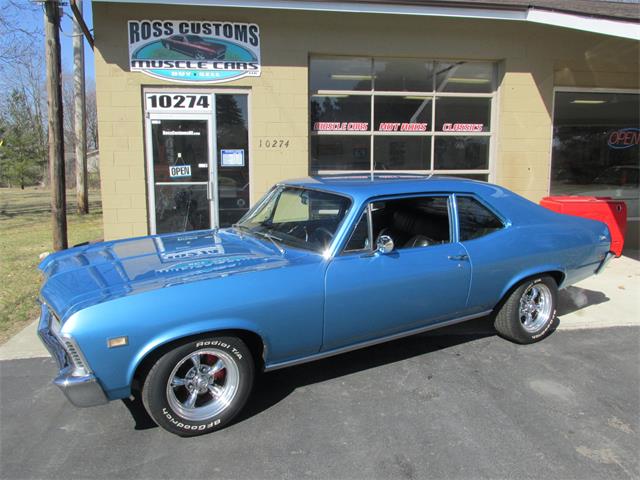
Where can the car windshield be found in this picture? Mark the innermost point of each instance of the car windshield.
(296, 217)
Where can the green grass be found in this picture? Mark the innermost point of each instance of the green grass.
(25, 233)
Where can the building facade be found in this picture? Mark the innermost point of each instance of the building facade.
(202, 108)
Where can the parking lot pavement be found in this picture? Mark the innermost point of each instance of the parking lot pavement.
(426, 406)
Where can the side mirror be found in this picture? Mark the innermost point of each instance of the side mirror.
(384, 244)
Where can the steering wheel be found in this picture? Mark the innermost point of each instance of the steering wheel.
(323, 235)
(296, 227)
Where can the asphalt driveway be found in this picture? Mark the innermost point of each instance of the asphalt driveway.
(430, 406)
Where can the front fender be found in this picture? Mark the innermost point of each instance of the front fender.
(188, 330)
(115, 367)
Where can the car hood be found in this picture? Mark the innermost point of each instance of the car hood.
(91, 274)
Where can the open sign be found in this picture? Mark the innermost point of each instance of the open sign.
(180, 171)
(624, 138)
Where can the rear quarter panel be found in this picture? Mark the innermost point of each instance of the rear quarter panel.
(535, 240)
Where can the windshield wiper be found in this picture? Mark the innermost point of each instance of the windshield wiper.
(239, 227)
(273, 240)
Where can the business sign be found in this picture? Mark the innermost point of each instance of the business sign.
(194, 52)
(624, 138)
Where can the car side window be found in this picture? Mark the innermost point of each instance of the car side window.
(474, 219)
(410, 222)
(359, 239)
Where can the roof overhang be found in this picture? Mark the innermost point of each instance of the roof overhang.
(604, 26)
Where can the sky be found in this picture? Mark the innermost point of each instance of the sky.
(35, 18)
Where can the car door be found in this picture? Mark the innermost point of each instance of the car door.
(371, 295)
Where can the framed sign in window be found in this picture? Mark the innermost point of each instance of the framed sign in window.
(232, 158)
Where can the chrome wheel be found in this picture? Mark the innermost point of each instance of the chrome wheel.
(203, 384)
(536, 304)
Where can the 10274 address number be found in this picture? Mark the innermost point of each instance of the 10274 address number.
(273, 143)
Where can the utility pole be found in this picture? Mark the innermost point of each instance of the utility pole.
(80, 119)
(56, 143)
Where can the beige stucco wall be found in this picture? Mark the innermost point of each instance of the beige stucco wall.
(532, 59)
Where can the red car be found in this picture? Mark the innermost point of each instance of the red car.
(195, 46)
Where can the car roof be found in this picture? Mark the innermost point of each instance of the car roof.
(363, 186)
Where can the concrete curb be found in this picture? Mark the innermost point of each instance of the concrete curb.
(611, 299)
(24, 344)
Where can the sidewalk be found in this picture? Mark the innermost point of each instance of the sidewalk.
(611, 299)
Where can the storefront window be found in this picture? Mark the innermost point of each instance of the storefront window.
(340, 73)
(393, 75)
(465, 77)
(332, 152)
(461, 153)
(402, 153)
(595, 150)
(460, 114)
(400, 114)
(329, 113)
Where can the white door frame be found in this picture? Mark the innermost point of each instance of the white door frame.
(211, 183)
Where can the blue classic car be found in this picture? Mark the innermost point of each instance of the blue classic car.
(318, 267)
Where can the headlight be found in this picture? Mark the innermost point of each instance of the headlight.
(56, 326)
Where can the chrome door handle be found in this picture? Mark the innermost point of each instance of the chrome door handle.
(458, 257)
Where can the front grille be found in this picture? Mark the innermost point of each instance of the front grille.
(75, 356)
(62, 348)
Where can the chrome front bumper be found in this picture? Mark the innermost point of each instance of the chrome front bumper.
(82, 390)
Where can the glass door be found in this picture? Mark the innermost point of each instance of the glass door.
(181, 166)
(232, 169)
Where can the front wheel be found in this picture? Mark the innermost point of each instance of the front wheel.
(528, 313)
(199, 387)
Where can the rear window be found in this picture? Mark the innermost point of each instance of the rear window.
(475, 220)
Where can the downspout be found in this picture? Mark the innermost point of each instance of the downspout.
(83, 26)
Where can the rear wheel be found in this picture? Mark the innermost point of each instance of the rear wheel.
(529, 311)
(199, 387)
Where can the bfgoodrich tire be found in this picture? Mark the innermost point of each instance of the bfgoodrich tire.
(528, 313)
(200, 386)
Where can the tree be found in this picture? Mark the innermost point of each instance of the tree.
(68, 102)
(22, 156)
(92, 119)
(13, 32)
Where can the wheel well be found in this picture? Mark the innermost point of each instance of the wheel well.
(251, 339)
(557, 276)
